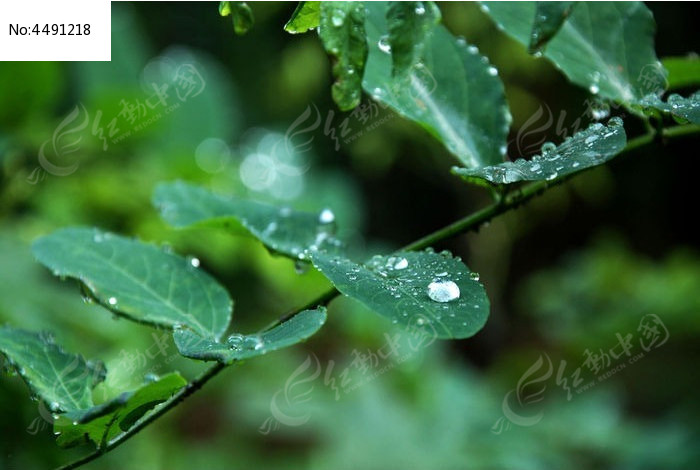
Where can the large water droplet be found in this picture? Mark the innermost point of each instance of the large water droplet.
(235, 341)
(443, 291)
(338, 18)
(401, 264)
(492, 71)
(326, 216)
(384, 45)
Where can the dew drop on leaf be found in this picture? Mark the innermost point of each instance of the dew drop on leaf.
(112, 301)
(401, 264)
(384, 45)
(443, 291)
(235, 341)
(326, 216)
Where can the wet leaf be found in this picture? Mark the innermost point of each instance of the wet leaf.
(590, 147)
(124, 412)
(282, 230)
(683, 109)
(140, 281)
(342, 32)
(549, 17)
(409, 25)
(606, 47)
(433, 292)
(238, 347)
(453, 93)
(306, 16)
(61, 379)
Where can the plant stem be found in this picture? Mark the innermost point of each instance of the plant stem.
(509, 201)
(173, 401)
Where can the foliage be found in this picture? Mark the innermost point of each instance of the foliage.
(406, 61)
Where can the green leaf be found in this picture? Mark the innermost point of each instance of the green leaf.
(409, 25)
(415, 289)
(140, 281)
(306, 16)
(549, 17)
(682, 71)
(282, 230)
(224, 8)
(238, 347)
(126, 410)
(63, 380)
(342, 31)
(241, 16)
(585, 149)
(603, 46)
(683, 109)
(453, 93)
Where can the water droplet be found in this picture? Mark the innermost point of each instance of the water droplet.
(97, 238)
(384, 45)
(194, 262)
(535, 167)
(112, 301)
(591, 138)
(615, 122)
(443, 291)
(326, 216)
(401, 264)
(235, 341)
(54, 406)
(576, 164)
(594, 89)
(548, 147)
(493, 71)
(552, 176)
(338, 18)
(473, 49)
(420, 9)
(474, 276)
(300, 267)
(600, 111)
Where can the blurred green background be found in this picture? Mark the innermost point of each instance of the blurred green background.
(252, 116)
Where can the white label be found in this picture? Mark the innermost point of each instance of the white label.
(57, 30)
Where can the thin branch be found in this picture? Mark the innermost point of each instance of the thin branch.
(510, 201)
(173, 401)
